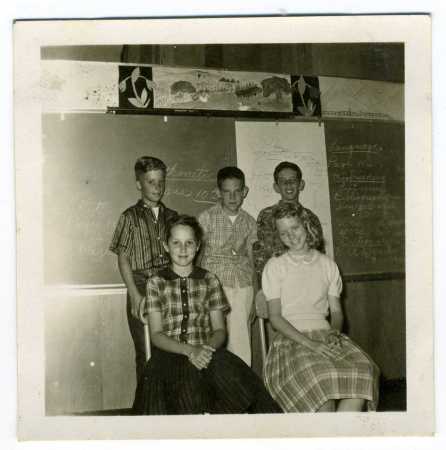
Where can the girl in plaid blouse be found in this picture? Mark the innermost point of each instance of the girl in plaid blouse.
(311, 365)
(189, 372)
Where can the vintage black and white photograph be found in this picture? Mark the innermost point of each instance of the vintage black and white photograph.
(226, 228)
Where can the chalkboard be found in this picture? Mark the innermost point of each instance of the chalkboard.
(366, 180)
(89, 180)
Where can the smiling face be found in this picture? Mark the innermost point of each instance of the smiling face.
(288, 185)
(152, 185)
(292, 233)
(232, 193)
(182, 247)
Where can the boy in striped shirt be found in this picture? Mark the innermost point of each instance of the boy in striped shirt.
(138, 242)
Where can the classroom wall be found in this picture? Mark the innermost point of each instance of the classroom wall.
(89, 352)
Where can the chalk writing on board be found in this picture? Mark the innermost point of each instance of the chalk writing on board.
(197, 174)
(367, 201)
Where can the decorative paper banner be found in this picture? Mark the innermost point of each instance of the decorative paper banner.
(361, 99)
(83, 85)
(71, 85)
(180, 88)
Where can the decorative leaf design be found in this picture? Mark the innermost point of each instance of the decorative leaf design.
(301, 85)
(122, 86)
(135, 74)
(144, 96)
(135, 102)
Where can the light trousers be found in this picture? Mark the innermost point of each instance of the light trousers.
(237, 321)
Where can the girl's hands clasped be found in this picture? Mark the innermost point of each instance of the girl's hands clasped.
(334, 340)
(201, 356)
(330, 348)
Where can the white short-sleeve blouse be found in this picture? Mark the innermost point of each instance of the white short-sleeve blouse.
(303, 287)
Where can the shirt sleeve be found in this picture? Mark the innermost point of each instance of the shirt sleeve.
(335, 280)
(271, 279)
(262, 249)
(153, 296)
(252, 237)
(203, 220)
(217, 298)
(122, 237)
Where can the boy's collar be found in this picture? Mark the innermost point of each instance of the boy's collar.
(197, 273)
(141, 204)
(220, 205)
(296, 202)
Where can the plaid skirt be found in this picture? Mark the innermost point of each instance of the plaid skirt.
(172, 385)
(301, 380)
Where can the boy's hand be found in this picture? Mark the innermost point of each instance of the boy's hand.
(201, 356)
(261, 306)
(135, 303)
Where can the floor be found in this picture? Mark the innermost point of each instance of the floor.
(392, 398)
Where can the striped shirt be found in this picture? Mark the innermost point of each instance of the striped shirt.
(185, 303)
(139, 235)
(269, 243)
(228, 246)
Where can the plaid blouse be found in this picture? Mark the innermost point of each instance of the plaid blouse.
(185, 303)
(269, 243)
(140, 235)
(227, 245)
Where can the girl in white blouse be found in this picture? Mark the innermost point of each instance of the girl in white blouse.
(311, 365)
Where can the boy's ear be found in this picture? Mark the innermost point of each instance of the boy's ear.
(138, 185)
(276, 188)
(301, 185)
(165, 247)
(245, 191)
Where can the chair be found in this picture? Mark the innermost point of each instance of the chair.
(262, 314)
(143, 318)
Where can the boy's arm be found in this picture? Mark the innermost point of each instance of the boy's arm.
(219, 329)
(127, 276)
(202, 221)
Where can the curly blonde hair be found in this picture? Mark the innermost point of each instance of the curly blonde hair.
(284, 210)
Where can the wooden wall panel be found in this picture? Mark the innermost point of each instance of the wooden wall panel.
(73, 355)
(89, 354)
(118, 356)
(376, 320)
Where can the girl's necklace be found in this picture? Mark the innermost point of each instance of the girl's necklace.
(306, 257)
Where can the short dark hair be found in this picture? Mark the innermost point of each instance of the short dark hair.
(287, 165)
(147, 163)
(230, 172)
(188, 221)
(286, 209)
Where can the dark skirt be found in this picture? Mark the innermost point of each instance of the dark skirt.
(172, 385)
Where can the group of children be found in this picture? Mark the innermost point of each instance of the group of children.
(194, 281)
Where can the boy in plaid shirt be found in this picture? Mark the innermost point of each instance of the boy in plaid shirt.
(229, 234)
